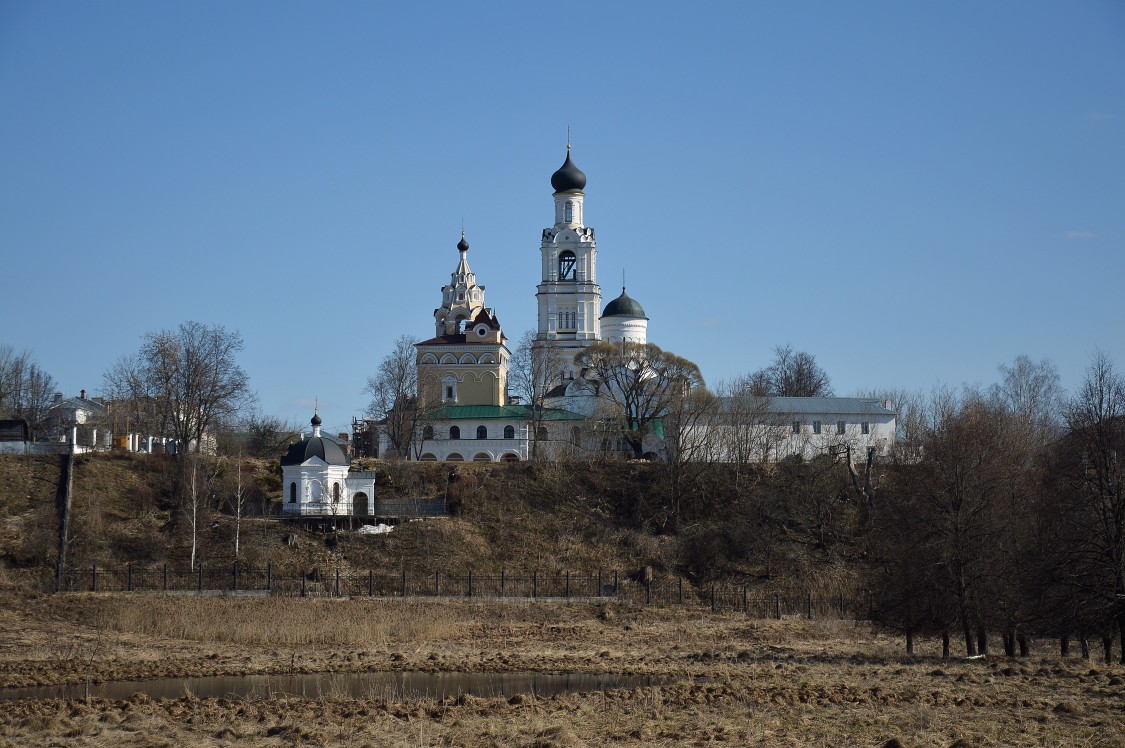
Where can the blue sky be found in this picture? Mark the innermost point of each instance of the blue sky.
(912, 192)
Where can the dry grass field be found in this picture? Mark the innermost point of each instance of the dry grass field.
(740, 682)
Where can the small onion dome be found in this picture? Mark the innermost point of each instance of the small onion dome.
(569, 178)
(316, 420)
(624, 306)
(462, 246)
(315, 446)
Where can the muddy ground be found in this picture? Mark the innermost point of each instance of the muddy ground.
(744, 682)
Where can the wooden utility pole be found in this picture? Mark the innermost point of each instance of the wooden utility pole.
(62, 500)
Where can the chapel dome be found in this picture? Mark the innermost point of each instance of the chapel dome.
(624, 306)
(462, 246)
(315, 446)
(568, 178)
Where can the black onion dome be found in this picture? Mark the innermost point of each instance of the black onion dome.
(462, 246)
(316, 420)
(624, 306)
(315, 446)
(569, 178)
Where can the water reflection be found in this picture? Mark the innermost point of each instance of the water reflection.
(356, 685)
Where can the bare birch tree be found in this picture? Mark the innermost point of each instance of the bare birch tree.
(536, 370)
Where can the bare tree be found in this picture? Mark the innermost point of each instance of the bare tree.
(958, 506)
(910, 408)
(1030, 391)
(792, 374)
(188, 379)
(641, 381)
(268, 436)
(1091, 497)
(395, 400)
(26, 390)
(536, 369)
(748, 429)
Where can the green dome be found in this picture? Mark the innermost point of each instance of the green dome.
(624, 306)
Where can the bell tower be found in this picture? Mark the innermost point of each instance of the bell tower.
(568, 295)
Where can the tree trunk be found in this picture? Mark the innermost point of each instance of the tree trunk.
(910, 641)
(1009, 637)
(945, 644)
(982, 641)
(1107, 647)
(1064, 645)
(1025, 644)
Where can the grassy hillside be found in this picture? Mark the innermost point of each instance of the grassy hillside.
(547, 516)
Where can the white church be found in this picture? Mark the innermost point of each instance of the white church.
(465, 365)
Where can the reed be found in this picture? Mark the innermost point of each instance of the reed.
(274, 621)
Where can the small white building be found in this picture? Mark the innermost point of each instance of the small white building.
(317, 482)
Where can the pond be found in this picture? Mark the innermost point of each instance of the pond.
(390, 685)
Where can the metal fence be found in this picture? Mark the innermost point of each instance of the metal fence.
(235, 579)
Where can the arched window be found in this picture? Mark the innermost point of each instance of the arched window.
(335, 493)
(427, 432)
(541, 433)
(509, 432)
(292, 493)
(566, 265)
(454, 432)
(482, 432)
(568, 211)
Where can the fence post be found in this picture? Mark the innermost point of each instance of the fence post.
(535, 583)
(199, 581)
(777, 606)
(129, 576)
(470, 582)
(745, 602)
(680, 593)
(568, 584)
(370, 583)
(808, 606)
(841, 605)
(648, 592)
(165, 577)
(337, 581)
(269, 578)
(615, 583)
(404, 581)
(437, 584)
(601, 590)
(94, 578)
(712, 597)
(234, 577)
(503, 579)
(303, 593)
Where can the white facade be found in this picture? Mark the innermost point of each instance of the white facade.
(315, 488)
(783, 428)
